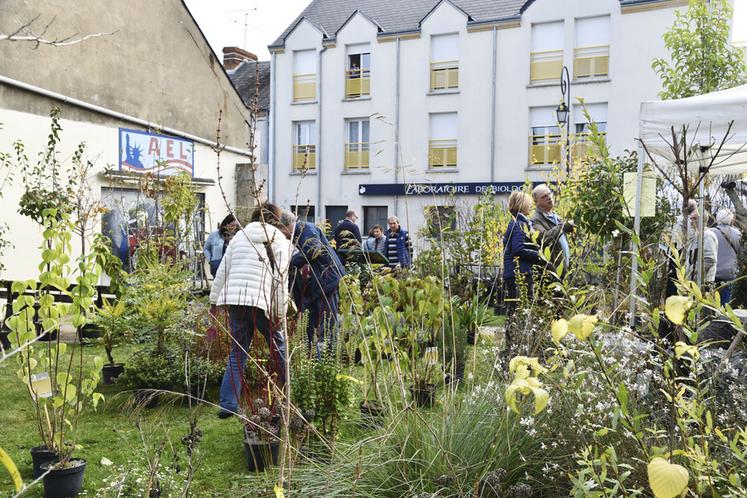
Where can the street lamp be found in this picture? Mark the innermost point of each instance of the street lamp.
(563, 113)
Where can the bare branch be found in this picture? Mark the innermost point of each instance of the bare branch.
(26, 33)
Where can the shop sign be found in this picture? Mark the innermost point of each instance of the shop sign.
(410, 189)
(144, 152)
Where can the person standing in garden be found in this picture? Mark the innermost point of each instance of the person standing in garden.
(317, 274)
(710, 253)
(347, 234)
(252, 282)
(376, 241)
(216, 243)
(552, 228)
(519, 254)
(728, 249)
(398, 245)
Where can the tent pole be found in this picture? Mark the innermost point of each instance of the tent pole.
(701, 223)
(637, 232)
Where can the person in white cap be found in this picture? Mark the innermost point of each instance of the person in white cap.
(728, 248)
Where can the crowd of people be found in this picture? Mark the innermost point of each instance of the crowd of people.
(527, 235)
(277, 259)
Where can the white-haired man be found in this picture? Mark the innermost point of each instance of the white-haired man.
(398, 244)
(551, 227)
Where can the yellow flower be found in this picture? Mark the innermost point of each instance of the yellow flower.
(559, 330)
(667, 480)
(530, 385)
(582, 326)
(676, 308)
(682, 348)
(520, 367)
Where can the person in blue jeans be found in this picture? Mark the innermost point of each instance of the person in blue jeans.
(252, 282)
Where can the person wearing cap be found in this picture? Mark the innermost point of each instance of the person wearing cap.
(728, 248)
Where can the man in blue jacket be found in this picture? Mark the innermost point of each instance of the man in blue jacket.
(318, 271)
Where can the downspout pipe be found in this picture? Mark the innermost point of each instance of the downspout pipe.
(493, 103)
(271, 170)
(319, 151)
(117, 115)
(397, 147)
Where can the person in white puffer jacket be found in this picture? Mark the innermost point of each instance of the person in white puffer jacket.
(252, 281)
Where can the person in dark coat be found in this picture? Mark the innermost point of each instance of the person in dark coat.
(318, 271)
(347, 234)
(519, 253)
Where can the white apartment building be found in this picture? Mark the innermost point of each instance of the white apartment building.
(392, 107)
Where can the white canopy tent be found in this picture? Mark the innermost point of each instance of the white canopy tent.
(705, 119)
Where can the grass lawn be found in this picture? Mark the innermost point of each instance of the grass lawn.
(112, 433)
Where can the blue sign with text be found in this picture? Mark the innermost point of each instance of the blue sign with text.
(471, 188)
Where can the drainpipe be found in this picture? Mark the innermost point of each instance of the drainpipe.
(397, 147)
(273, 110)
(493, 103)
(319, 139)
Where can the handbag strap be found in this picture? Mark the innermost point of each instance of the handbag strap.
(270, 256)
(726, 237)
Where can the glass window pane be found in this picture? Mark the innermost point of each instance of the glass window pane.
(364, 128)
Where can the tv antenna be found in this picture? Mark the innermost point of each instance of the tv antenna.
(246, 21)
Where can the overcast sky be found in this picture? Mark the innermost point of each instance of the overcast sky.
(223, 21)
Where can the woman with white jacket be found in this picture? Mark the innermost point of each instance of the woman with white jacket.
(252, 281)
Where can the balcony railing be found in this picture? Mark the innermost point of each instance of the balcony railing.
(545, 149)
(591, 62)
(442, 154)
(444, 75)
(545, 66)
(357, 83)
(580, 145)
(304, 157)
(304, 87)
(356, 155)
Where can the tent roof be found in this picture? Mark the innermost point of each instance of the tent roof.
(706, 119)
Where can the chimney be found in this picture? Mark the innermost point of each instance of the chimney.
(233, 56)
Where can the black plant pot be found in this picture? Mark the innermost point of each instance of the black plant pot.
(372, 414)
(66, 481)
(89, 332)
(48, 336)
(109, 373)
(41, 455)
(424, 395)
(4, 339)
(471, 337)
(260, 454)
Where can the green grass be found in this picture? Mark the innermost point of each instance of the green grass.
(111, 433)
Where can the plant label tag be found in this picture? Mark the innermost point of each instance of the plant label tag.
(431, 355)
(41, 386)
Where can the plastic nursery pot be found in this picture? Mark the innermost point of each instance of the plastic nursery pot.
(424, 395)
(261, 454)
(109, 373)
(64, 481)
(89, 332)
(4, 339)
(41, 455)
(372, 414)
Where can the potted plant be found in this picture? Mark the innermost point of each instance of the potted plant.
(374, 346)
(114, 325)
(60, 385)
(261, 437)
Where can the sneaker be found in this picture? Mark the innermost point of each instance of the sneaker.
(222, 414)
(729, 185)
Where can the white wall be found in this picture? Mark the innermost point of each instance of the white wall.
(102, 144)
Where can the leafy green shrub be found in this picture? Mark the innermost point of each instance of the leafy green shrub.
(150, 369)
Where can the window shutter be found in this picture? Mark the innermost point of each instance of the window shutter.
(593, 32)
(445, 48)
(547, 37)
(304, 62)
(444, 126)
